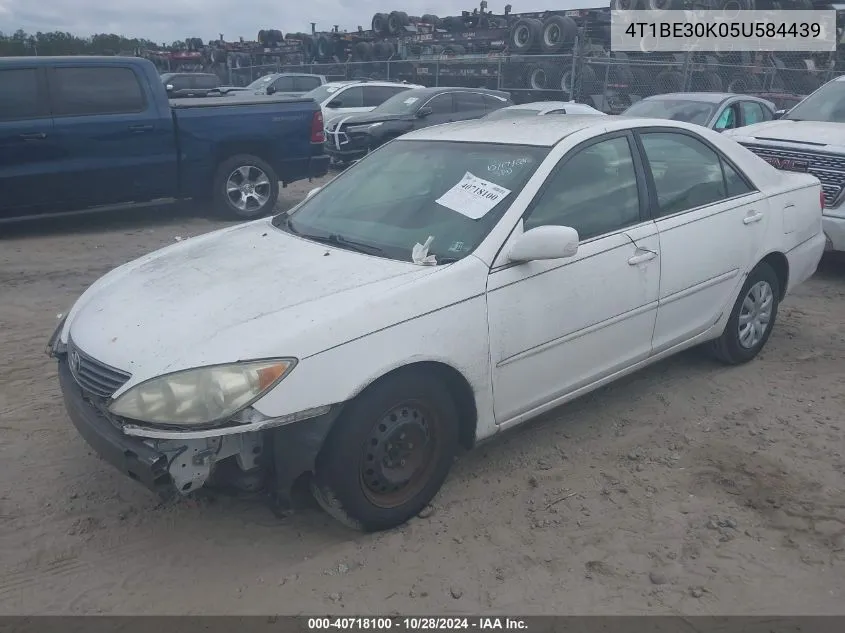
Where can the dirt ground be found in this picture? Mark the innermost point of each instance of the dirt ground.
(688, 488)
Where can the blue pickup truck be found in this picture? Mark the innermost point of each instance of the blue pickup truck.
(81, 133)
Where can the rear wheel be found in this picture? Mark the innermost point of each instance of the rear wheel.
(752, 318)
(389, 453)
(245, 188)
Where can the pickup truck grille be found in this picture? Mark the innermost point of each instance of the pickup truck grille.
(828, 168)
(95, 378)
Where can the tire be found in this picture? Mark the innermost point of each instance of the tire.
(431, 19)
(323, 47)
(525, 35)
(379, 24)
(396, 22)
(363, 51)
(558, 31)
(259, 202)
(349, 480)
(538, 78)
(732, 347)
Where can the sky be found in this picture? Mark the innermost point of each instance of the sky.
(169, 20)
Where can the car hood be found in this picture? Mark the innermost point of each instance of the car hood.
(811, 133)
(251, 291)
(372, 117)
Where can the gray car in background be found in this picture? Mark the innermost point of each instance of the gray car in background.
(715, 110)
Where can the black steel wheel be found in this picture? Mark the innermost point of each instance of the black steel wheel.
(388, 453)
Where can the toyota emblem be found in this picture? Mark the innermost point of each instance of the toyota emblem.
(74, 361)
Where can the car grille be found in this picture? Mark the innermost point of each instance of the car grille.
(828, 168)
(94, 377)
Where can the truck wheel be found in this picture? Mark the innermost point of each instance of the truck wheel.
(525, 35)
(752, 318)
(245, 188)
(389, 453)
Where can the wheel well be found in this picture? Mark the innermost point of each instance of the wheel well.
(229, 150)
(458, 387)
(780, 265)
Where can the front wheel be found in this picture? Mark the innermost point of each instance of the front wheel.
(389, 453)
(245, 188)
(752, 318)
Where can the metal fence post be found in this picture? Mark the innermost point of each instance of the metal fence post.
(437, 73)
(572, 78)
(499, 75)
(604, 101)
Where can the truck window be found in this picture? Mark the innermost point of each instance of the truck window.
(306, 84)
(86, 90)
(20, 100)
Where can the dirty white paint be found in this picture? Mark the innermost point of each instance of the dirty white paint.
(526, 336)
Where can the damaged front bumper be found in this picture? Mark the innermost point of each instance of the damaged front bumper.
(258, 456)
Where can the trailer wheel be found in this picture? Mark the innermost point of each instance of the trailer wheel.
(383, 50)
(396, 22)
(453, 24)
(670, 81)
(363, 51)
(558, 31)
(526, 35)
(707, 82)
(379, 24)
(323, 47)
(744, 84)
(537, 78)
(642, 84)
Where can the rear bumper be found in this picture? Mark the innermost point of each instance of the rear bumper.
(834, 229)
(304, 169)
(804, 259)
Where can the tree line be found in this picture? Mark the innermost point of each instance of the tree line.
(60, 43)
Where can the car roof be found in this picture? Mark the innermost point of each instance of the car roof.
(701, 97)
(547, 105)
(537, 131)
(352, 82)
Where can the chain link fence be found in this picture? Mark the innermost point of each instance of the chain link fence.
(608, 83)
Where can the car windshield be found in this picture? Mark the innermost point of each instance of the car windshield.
(405, 102)
(515, 113)
(825, 104)
(674, 109)
(322, 93)
(261, 82)
(408, 192)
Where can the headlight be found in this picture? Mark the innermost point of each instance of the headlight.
(202, 396)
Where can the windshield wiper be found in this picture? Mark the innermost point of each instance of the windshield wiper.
(338, 240)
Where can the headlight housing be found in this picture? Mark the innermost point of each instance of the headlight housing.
(203, 396)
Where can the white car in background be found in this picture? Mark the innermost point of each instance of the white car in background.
(454, 283)
(338, 98)
(542, 108)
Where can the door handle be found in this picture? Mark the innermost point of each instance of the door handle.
(754, 216)
(35, 136)
(141, 127)
(642, 257)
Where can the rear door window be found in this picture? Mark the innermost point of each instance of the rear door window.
(78, 91)
(442, 104)
(469, 101)
(492, 103)
(20, 96)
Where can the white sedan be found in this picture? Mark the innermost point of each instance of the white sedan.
(454, 283)
(542, 108)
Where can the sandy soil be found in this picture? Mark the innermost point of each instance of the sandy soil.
(688, 488)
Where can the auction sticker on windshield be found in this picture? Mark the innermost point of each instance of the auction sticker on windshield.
(473, 197)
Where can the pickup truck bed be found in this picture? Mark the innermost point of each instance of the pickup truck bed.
(108, 135)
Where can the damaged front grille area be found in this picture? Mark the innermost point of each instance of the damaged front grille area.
(95, 378)
(828, 168)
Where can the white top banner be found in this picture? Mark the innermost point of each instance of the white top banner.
(723, 31)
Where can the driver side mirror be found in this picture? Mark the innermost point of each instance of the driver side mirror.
(424, 112)
(336, 103)
(779, 113)
(544, 242)
(169, 87)
(271, 90)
